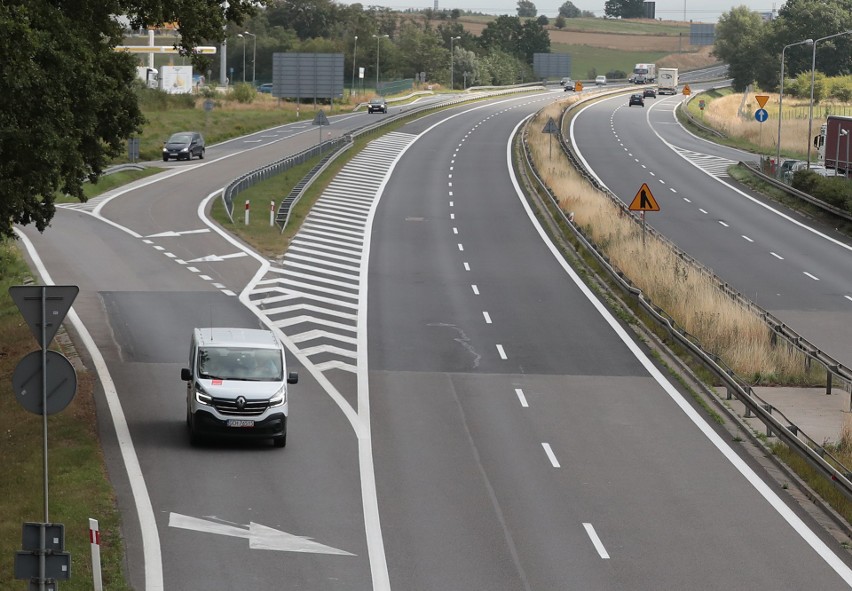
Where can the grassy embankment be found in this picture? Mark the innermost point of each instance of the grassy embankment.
(736, 335)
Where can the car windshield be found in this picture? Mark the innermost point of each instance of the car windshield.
(377, 101)
(180, 138)
(236, 363)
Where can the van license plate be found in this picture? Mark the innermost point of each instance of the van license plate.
(240, 423)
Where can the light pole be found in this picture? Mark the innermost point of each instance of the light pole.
(780, 102)
(813, 77)
(452, 61)
(354, 53)
(253, 56)
(240, 35)
(378, 40)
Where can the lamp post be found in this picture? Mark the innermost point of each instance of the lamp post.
(240, 35)
(354, 53)
(813, 77)
(452, 61)
(253, 56)
(780, 102)
(378, 40)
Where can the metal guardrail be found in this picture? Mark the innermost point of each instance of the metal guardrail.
(776, 423)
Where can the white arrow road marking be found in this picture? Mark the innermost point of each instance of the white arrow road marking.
(215, 257)
(173, 234)
(260, 537)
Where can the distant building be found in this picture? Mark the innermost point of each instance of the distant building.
(436, 5)
(649, 10)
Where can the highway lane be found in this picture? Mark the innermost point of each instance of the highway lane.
(794, 267)
(140, 296)
(520, 441)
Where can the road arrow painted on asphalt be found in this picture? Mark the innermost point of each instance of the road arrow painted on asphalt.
(215, 257)
(260, 537)
(173, 234)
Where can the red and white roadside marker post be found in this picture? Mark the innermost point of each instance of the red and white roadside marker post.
(247, 212)
(95, 542)
(271, 213)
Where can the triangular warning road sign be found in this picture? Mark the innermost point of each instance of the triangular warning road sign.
(320, 118)
(644, 200)
(551, 127)
(686, 89)
(761, 99)
(44, 306)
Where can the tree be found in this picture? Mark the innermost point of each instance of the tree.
(559, 23)
(526, 9)
(625, 8)
(804, 19)
(568, 10)
(69, 99)
(543, 20)
(740, 42)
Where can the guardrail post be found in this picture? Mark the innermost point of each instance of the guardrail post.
(728, 394)
(828, 378)
(768, 408)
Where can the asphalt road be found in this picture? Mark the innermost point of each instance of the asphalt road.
(797, 269)
(468, 415)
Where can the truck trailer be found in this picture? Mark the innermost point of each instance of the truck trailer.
(837, 142)
(667, 81)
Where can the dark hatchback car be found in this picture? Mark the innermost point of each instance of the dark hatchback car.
(183, 145)
(649, 93)
(636, 99)
(377, 105)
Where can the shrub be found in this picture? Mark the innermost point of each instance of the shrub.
(616, 74)
(841, 88)
(243, 93)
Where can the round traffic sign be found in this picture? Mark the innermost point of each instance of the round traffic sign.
(61, 382)
(761, 115)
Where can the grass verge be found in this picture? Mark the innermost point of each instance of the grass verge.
(78, 487)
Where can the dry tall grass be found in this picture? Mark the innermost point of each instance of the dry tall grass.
(723, 114)
(723, 327)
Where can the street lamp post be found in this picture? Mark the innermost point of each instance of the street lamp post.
(378, 40)
(452, 62)
(813, 78)
(241, 36)
(780, 102)
(253, 57)
(354, 53)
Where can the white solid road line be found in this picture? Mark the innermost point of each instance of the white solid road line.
(522, 398)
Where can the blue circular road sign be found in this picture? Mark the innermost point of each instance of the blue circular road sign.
(761, 115)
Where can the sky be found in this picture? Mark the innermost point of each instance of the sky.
(707, 11)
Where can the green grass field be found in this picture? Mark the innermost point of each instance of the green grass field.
(585, 58)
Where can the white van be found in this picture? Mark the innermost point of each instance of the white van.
(236, 385)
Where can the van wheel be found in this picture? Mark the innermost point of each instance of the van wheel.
(280, 441)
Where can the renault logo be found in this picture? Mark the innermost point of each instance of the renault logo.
(241, 402)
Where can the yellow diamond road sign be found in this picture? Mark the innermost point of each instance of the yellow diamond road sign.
(644, 200)
(578, 86)
(761, 99)
(686, 89)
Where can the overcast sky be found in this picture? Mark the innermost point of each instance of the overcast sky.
(697, 10)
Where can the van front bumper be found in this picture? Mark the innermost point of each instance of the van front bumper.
(274, 425)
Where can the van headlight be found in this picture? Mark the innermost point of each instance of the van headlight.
(202, 398)
(279, 399)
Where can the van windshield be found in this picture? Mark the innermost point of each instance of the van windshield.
(236, 363)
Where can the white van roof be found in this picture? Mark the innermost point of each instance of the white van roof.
(236, 337)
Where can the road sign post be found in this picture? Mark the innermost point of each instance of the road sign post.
(642, 202)
(44, 307)
(550, 128)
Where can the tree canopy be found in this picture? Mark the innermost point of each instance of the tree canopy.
(568, 10)
(526, 9)
(624, 8)
(68, 97)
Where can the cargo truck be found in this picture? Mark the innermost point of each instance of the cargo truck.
(149, 76)
(667, 81)
(835, 143)
(644, 73)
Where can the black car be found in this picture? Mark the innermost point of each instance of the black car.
(649, 93)
(183, 145)
(377, 105)
(636, 99)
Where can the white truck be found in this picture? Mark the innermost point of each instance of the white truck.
(667, 81)
(149, 76)
(644, 74)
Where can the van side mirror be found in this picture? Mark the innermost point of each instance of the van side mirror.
(185, 374)
(293, 378)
